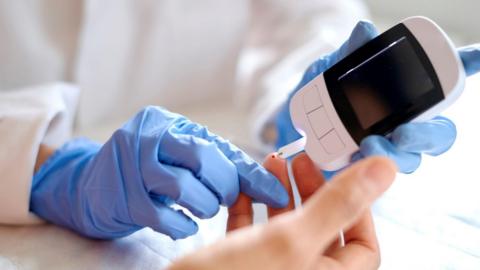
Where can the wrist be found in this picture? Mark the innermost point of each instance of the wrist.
(57, 183)
(44, 152)
(48, 157)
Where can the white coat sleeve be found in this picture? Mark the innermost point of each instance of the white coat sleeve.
(285, 37)
(29, 117)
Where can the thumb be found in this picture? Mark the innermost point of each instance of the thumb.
(343, 200)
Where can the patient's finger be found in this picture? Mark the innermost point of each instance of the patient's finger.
(278, 167)
(361, 249)
(363, 232)
(307, 176)
(240, 214)
(341, 202)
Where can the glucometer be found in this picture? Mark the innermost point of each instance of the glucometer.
(411, 72)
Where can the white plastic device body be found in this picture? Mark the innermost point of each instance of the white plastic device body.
(328, 141)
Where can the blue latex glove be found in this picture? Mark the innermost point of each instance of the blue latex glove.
(154, 160)
(409, 141)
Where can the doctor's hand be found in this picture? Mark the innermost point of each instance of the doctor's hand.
(156, 159)
(305, 238)
(408, 141)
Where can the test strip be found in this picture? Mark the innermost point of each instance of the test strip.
(341, 239)
(292, 148)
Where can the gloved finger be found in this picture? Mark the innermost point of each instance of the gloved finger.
(254, 180)
(278, 167)
(432, 137)
(183, 187)
(203, 159)
(341, 202)
(470, 56)
(173, 223)
(379, 146)
(363, 32)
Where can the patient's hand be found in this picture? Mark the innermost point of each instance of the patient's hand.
(305, 238)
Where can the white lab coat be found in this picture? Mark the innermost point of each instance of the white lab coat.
(115, 57)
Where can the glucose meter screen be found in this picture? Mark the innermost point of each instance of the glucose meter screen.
(387, 82)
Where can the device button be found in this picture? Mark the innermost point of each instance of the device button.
(311, 99)
(319, 122)
(332, 143)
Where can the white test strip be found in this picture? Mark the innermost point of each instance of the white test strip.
(341, 239)
(292, 148)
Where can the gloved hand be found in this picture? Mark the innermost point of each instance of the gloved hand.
(408, 141)
(156, 159)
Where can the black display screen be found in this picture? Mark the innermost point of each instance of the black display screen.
(387, 82)
(391, 80)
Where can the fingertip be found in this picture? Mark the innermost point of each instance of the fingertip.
(367, 24)
(303, 163)
(277, 168)
(393, 166)
(186, 228)
(268, 189)
(448, 138)
(371, 177)
(263, 186)
(445, 121)
(273, 162)
(382, 168)
(408, 165)
(209, 212)
(281, 199)
(365, 28)
(182, 234)
(174, 223)
(432, 137)
(377, 173)
(277, 194)
(379, 166)
(470, 57)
